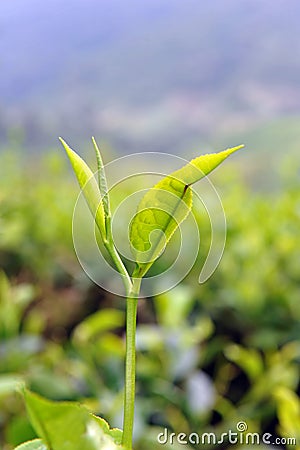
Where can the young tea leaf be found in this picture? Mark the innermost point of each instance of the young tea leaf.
(102, 179)
(89, 186)
(165, 206)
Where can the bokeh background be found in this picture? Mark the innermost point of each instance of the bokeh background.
(182, 77)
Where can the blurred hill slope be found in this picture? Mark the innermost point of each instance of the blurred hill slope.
(139, 72)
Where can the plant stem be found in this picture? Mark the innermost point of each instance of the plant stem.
(120, 266)
(132, 288)
(129, 394)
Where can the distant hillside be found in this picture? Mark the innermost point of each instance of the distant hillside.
(146, 74)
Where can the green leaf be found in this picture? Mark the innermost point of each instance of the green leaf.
(89, 187)
(36, 444)
(115, 433)
(68, 425)
(165, 206)
(102, 179)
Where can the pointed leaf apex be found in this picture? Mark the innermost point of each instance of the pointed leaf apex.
(234, 149)
(67, 148)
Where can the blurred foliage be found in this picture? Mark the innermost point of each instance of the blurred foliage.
(209, 355)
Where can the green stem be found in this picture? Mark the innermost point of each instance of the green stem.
(120, 266)
(110, 247)
(129, 394)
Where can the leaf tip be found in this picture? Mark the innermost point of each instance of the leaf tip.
(67, 148)
(64, 144)
(235, 149)
(96, 147)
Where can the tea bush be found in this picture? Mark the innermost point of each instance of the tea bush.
(209, 355)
